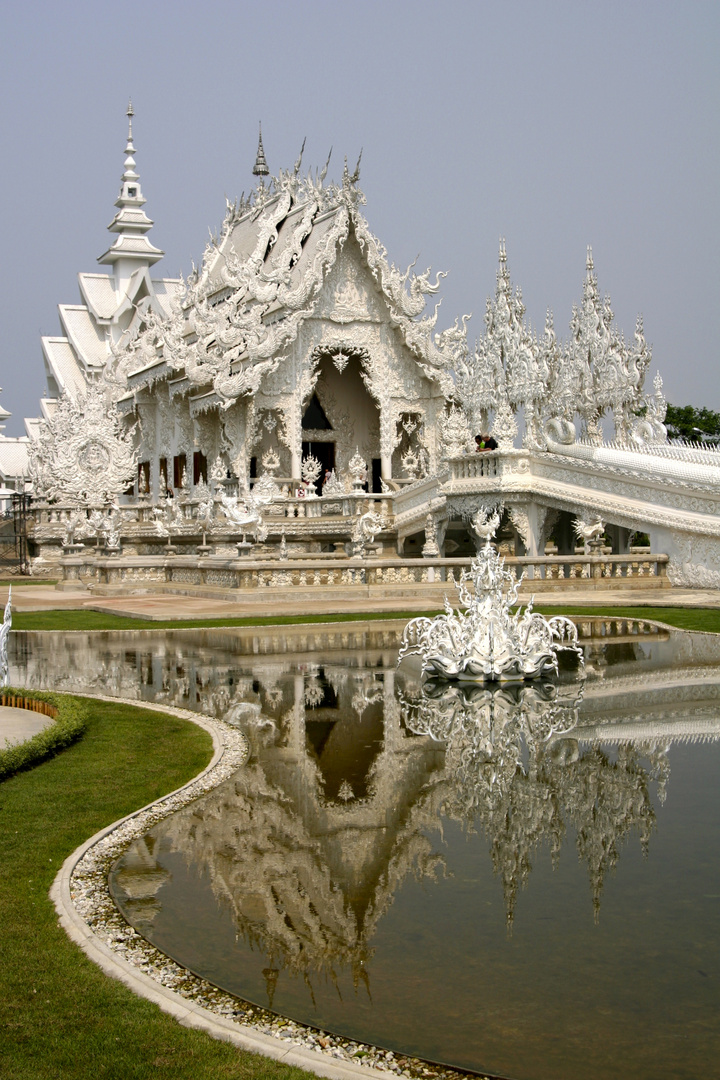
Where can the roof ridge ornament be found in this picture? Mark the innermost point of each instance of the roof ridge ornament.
(260, 168)
(347, 179)
(324, 172)
(129, 175)
(298, 163)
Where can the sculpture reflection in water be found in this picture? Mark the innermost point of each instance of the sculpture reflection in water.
(489, 642)
(349, 782)
(514, 770)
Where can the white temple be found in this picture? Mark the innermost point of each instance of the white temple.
(294, 390)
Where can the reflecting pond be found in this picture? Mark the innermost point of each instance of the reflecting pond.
(522, 880)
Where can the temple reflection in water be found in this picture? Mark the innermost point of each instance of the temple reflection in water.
(355, 766)
(362, 871)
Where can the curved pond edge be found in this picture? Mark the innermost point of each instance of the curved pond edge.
(90, 918)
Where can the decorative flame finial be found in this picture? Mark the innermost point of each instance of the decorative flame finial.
(260, 168)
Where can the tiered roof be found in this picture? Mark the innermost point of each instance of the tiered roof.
(114, 306)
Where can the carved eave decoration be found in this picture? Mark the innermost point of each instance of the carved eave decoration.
(234, 319)
(83, 454)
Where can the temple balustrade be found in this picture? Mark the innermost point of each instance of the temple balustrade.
(327, 575)
(189, 512)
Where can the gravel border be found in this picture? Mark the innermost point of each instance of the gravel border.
(88, 915)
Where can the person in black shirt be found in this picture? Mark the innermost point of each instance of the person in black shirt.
(485, 442)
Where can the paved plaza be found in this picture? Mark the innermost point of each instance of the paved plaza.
(288, 602)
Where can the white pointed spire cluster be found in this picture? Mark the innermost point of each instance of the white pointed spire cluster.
(594, 373)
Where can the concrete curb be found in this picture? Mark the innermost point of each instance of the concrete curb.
(185, 1012)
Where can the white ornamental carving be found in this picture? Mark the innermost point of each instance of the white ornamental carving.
(310, 470)
(358, 470)
(333, 485)
(83, 454)
(649, 429)
(218, 473)
(244, 515)
(592, 533)
(367, 526)
(489, 641)
(271, 461)
(430, 547)
(456, 433)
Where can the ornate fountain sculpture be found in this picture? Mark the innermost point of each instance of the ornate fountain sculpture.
(489, 642)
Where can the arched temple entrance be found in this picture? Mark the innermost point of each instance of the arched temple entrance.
(341, 416)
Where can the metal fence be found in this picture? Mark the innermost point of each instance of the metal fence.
(14, 549)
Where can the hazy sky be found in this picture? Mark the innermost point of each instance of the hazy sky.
(555, 125)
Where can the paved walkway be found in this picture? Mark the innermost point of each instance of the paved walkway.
(167, 606)
(19, 725)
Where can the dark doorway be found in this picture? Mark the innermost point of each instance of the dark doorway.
(314, 418)
(325, 453)
(376, 475)
(179, 466)
(199, 467)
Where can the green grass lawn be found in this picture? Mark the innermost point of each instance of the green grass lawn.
(26, 580)
(60, 1017)
(707, 619)
(81, 619)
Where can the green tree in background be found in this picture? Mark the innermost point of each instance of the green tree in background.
(687, 422)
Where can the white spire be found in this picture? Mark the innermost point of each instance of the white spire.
(132, 248)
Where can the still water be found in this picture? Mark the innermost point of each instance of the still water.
(523, 881)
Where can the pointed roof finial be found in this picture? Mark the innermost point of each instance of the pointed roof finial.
(501, 254)
(130, 113)
(131, 222)
(323, 174)
(260, 168)
(348, 180)
(589, 261)
(298, 163)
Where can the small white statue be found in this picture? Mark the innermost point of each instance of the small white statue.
(4, 635)
(244, 514)
(366, 528)
(592, 533)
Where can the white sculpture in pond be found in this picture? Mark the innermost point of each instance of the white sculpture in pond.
(489, 642)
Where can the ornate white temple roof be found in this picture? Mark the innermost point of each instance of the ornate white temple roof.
(84, 334)
(13, 459)
(64, 373)
(263, 277)
(98, 292)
